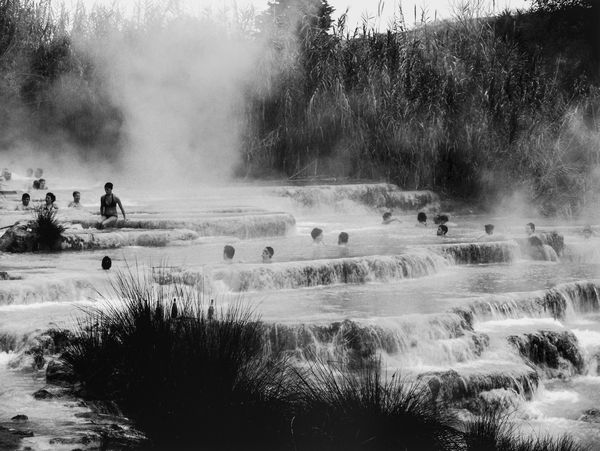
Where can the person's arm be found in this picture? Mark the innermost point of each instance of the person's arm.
(102, 206)
(121, 207)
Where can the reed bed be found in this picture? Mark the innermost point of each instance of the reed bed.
(478, 106)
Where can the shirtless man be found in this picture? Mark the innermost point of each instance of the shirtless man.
(108, 207)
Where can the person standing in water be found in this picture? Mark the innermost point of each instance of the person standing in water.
(317, 235)
(267, 254)
(108, 207)
(25, 203)
(76, 198)
(49, 205)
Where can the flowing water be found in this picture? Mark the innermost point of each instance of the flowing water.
(460, 312)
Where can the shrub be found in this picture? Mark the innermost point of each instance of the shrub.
(184, 379)
(494, 431)
(345, 410)
(46, 229)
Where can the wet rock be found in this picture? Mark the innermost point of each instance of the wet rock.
(43, 394)
(478, 253)
(498, 400)
(58, 373)
(18, 238)
(22, 433)
(452, 387)
(590, 416)
(20, 418)
(556, 352)
(83, 440)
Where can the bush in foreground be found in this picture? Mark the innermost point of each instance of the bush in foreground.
(184, 379)
(493, 431)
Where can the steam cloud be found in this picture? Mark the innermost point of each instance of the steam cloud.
(178, 82)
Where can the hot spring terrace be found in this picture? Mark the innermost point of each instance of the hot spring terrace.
(468, 313)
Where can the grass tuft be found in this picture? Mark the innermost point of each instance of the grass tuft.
(46, 229)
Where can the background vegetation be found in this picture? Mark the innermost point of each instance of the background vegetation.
(475, 107)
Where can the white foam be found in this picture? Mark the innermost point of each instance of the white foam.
(493, 325)
(587, 338)
(5, 357)
(38, 305)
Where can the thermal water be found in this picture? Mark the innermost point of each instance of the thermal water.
(461, 313)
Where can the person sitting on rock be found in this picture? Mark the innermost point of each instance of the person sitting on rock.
(317, 235)
(228, 253)
(422, 219)
(108, 207)
(387, 218)
(267, 254)
(24, 205)
(343, 239)
(442, 230)
(49, 202)
(76, 198)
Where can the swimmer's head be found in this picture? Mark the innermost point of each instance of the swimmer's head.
(489, 229)
(343, 238)
(441, 219)
(422, 218)
(108, 187)
(25, 198)
(50, 198)
(587, 232)
(76, 196)
(42, 183)
(38, 173)
(29, 172)
(106, 262)
(267, 254)
(442, 230)
(228, 252)
(316, 234)
(530, 228)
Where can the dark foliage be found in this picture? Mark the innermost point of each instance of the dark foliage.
(46, 229)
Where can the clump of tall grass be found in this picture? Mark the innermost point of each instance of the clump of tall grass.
(344, 410)
(47, 230)
(187, 378)
(493, 431)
